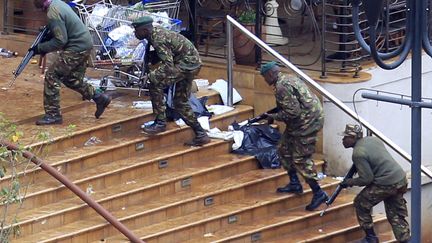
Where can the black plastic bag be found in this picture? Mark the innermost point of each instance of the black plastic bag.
(197, 105)
(260, 141)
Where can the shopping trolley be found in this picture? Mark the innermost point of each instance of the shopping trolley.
(115, 47)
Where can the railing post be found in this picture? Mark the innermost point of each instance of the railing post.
(5, 16)
(229, 30)
(323, 36)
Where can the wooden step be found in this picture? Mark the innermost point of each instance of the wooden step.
(118, 171)
(57, 213)
(79, 157)
(344, 229)
(225, 188)
(120, 117)
(271, 223)
(257, 200)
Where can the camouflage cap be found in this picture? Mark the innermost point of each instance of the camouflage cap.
(267, 66)
(352, 131)
(145, 20)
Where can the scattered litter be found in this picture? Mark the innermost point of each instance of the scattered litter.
(204, 122)
(142, 104)
(97, 83)
(238, 139)
(130, 182)
(231, 128)
(321, 175)
(92, 141)
(320, 230)
(43, 221)
(33, 61)
(147, 124)
(180, 122)
(209, 235)
(7, 53)
(89, 190)
(216, 133)
(221, 86)
(202, 84)
(219, 109)
(339, 178)
(123, 208)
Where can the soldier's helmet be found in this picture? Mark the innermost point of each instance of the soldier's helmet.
(352, 131)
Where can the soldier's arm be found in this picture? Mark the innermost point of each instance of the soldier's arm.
(287, 102)
(364, 171)
(59, 35)
(167, 61)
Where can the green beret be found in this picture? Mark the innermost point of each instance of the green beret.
(267, 66)
(145, 20)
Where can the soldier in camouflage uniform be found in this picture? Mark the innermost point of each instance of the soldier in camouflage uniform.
(383, 180)
(180, 62)
(73, 40)
(303, 115)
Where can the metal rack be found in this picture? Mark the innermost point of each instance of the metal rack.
(115, 47)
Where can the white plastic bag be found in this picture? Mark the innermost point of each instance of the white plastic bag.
(221, 86)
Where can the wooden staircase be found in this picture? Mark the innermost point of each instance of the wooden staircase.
(164, 191)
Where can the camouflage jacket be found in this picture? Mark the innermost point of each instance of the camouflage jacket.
(173, 49)
(299, 108)
(67, 30)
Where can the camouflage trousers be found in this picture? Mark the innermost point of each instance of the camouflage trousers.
(183, 84)
(395, 207)
(296, 154)
(69, 68)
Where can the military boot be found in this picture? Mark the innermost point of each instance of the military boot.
(294, 186)
(102, 101)
(50, 120)
(200, 139)
(319, 196)
(157, 127)
(370, 236)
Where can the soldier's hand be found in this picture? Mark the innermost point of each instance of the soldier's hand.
(344, 184)
(269, 117)
(35, 50)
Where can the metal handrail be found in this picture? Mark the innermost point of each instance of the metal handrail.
(76, 190)
(232, 22)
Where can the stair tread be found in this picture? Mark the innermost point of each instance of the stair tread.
(119, 110)
(74, 153)
(282, 217)
(122, 164)
(224, 210)
(224, 184)
(164, 176)
(322, 231)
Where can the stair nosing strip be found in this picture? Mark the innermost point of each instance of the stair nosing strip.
(152, 210)
(288, 221)
(174, 179)
(127, 143)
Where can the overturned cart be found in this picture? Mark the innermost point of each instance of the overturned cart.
(116, 50)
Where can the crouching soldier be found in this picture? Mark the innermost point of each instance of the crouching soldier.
(180, 62)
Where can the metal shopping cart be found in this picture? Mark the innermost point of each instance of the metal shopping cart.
(115, 47)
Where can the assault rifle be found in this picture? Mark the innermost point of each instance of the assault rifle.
(43, 33)
(262, 116)
(339, 188)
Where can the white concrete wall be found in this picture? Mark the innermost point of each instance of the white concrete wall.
(392, 120)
